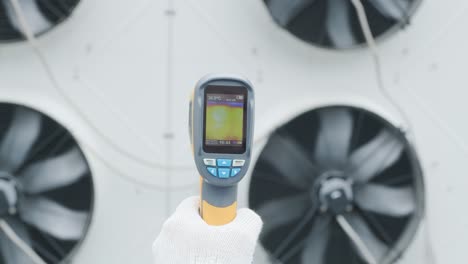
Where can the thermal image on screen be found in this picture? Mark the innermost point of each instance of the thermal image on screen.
(224, 119)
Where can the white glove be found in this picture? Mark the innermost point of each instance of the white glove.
(186, 239)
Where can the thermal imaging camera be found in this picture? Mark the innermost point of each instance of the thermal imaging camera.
(221, 129)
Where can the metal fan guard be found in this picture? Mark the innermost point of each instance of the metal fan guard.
(380, 37)
(71, 253)
(57, 22)
(412, 226)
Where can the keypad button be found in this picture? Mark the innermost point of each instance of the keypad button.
(235, 171)
(224, 162)
(238, 163)
(212, 171)
(209, 162)
(223, 173)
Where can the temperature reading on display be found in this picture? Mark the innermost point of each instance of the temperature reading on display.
(224, 121)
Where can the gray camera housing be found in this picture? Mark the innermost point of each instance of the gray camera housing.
(196, 128)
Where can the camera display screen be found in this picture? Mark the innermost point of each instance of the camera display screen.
(225, 119)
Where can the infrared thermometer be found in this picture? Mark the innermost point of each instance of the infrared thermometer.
(221, 124)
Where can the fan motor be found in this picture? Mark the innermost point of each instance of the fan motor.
(335, 195)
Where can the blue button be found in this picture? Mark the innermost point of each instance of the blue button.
(235, 171)
(223, 173)
(212, 171)
(224, 162)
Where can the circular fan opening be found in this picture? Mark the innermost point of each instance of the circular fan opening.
(334, 23)
(41, 15)
(46, 188)
(337, 185)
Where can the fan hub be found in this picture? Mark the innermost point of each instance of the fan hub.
(335, 195)
(8, 194)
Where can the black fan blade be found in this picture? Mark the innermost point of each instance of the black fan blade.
(11, 253)
(316, 242)
(338, 23)
(375, 156)
(390, 201)
(19, 138)
(334, 137)
(365, 236)
(32, 13)
(53, 218)
(394, 9)
(291, 208)
(289, 159)
(285, 11)
(54, 172)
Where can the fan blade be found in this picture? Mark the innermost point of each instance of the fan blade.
(394, 9)
(333, 137)
(289, 159)
(54, 172)
(285, 11)
(283, 211)
(338, 23)
(375, 156)
(34, 17)
(317, 241)
(11, 253)
(368, 238)
(18, 140)
(53, 218)
(261, 255)
(391, 201)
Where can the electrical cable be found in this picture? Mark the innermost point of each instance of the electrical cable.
(26, 29)
(158, 187)
(34, 45)
(354, 236)
(11, 234)
(366, 30)
(32, 41)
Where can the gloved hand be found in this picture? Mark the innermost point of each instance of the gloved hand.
(186, 239)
